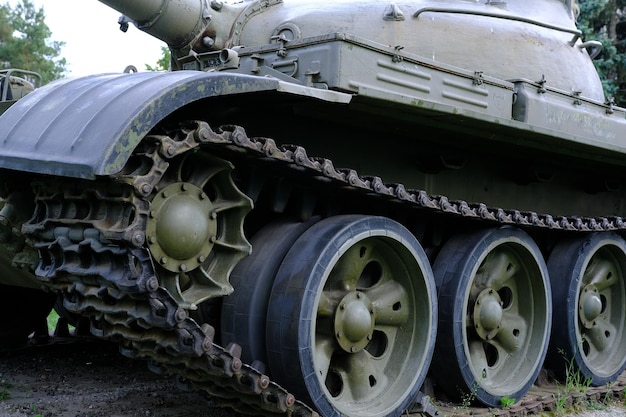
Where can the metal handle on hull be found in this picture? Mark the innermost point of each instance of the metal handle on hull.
(577, 33)
(593, 48)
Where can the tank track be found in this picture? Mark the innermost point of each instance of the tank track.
(91, 235)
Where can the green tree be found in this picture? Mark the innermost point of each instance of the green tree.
(25, 41)
(605, 21)
(163, 64)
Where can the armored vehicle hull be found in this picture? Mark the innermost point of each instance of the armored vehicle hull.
(324, 206)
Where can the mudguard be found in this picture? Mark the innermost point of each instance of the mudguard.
(85, 127)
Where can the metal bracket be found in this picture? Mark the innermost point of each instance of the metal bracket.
(542, 84)
(610, 103)
(397, 57)
(282, 40)
(257, 60)
(313, 72)
(123, 21)
(393, 13)
(478, 78)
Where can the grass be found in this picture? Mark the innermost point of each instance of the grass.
(5, 395)
(507, 402)
(53, 320)
(574, 382)
(467, 398)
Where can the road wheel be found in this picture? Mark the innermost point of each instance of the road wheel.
(589, 297)
(494, 310)
(352, 317)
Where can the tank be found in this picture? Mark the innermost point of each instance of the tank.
(15, 84)
(354, 207)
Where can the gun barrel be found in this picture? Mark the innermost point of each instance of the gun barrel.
(176, 22)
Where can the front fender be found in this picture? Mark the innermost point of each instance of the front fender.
(85, 127)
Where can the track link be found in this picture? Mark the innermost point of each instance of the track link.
(91, 235)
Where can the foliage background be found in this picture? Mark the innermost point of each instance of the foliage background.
(25, 41)
(605, 21)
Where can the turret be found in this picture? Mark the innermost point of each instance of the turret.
(536, 40)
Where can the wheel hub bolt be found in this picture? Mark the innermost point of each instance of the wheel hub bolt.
(589, 306)
(487, 314)
(354, 322)
(182, 227)
(358, 322)
(491, 315)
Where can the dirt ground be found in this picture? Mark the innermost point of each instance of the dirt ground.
(93, 380)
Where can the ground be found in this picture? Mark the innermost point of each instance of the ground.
(92, 379)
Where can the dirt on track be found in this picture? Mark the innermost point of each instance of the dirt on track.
(91, 380)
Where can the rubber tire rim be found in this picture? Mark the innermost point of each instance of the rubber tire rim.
(311, 274)
(244, 311)
(598, 259)
(508, 364)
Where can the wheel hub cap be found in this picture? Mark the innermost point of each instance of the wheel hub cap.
(487, 314)
(590, 306)
(181, 228)
(354, 322)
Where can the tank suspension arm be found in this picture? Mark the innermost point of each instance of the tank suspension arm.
(577, 33)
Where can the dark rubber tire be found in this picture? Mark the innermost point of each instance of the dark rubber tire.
(244, 311)
(494, 315)
(342, 275)
(589, 298)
